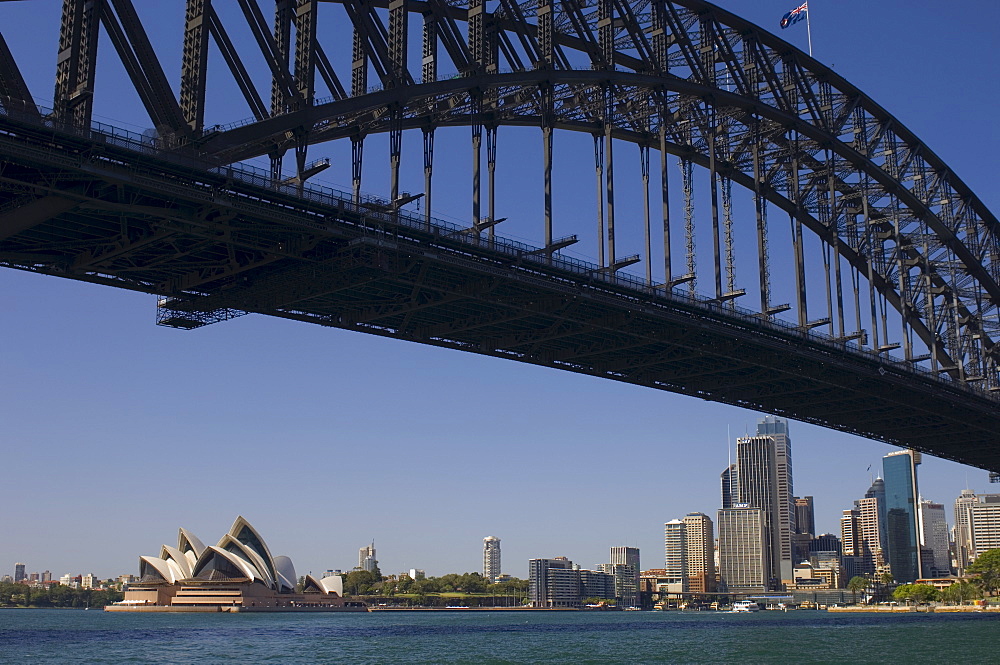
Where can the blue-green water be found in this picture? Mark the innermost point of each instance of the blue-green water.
(76, 636)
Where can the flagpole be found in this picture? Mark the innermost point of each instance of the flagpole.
(809, 33)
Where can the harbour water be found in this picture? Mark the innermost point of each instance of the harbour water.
(64, 636)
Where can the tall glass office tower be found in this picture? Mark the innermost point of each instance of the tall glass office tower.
(758, 488)
(900, 471)
(730, 487)
(784, 515)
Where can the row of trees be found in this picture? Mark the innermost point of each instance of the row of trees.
(366, 583)
(56, 595)
(985, 582)
(957, 594)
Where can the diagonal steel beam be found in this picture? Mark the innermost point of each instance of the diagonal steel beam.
(142, 65)
(239, 71)
(12, 84)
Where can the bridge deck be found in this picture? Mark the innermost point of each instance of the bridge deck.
(219, 243)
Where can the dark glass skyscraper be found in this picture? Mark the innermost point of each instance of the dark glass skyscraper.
(730, 487)
(805, 516)
(900, 470)
(758, 488)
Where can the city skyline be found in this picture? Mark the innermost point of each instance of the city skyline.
(858, 531)
(865, 510)
(95, 395)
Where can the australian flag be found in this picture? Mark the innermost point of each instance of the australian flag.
(795, 15)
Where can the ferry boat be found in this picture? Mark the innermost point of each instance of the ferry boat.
(745, 606)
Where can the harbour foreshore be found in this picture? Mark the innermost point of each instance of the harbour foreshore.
(930, 609)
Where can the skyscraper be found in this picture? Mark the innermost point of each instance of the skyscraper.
(963, 529)
(675, 544)
(730, 487)
(758, 488)
(777, 429)
(870, 526)
(700, 535)
(491, 558)
(744, 561)
(805, 528)
(851, 541)
(984, 518)
(900, 469)
(805, 515)
(626, 592)
(934, 536)
(18, 572)
(877, 492)
(366, 558)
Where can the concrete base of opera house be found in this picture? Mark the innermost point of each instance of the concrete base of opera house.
(229, 608)
(199, 596)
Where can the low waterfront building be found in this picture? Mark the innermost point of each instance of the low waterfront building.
(806, 576)
(558, 583)
(547, 583)
(237, 574)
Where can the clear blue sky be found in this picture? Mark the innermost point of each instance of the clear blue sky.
(116, 431)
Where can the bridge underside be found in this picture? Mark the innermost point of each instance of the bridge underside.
(218, 245)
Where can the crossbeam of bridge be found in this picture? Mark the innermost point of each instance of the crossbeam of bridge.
(215, 242)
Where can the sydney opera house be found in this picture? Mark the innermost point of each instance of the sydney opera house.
(236, 575)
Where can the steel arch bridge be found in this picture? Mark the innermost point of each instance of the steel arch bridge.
(901, 256)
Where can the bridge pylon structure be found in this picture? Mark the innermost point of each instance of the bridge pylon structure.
(890, 264)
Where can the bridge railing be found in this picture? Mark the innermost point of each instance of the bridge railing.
(368, 209)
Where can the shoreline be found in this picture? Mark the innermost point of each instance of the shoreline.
(926, 609)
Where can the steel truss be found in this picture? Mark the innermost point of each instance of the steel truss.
(682, 77)
(720, 93)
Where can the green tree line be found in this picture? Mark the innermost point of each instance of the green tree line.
(365, 583)
(57, 595)
(985, 581)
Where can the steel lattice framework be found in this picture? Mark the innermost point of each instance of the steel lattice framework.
(916, 248)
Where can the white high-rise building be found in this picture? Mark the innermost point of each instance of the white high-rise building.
(851, 542)
(491, 558)
(676, 556)
(934, 535)
(366, 558)
(963, 529)
(985, 522)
